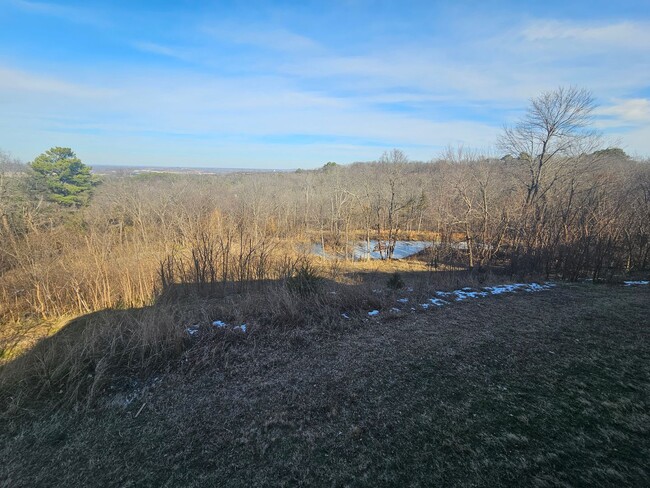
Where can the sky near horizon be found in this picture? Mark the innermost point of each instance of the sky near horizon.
(280, 84)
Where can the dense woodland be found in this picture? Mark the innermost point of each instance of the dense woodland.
(561, 213)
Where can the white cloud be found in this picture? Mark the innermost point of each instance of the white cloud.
(633, 110)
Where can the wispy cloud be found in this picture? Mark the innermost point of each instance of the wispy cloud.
(162, 50)
(629, 34)
(260, 36)
(219, 109)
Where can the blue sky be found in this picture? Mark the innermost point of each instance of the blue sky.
(297, 84)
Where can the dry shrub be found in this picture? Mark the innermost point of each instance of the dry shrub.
(395, 281)
(305, 281)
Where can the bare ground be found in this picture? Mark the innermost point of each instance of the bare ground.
(543, 389)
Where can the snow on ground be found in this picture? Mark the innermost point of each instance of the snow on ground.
(527, 287)
(467, 292)
(444, 298)
(194, 329)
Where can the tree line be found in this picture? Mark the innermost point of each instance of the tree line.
(556, 204)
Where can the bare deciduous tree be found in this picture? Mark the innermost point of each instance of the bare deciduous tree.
(555, 129)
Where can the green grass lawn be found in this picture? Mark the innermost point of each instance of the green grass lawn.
(540, 389)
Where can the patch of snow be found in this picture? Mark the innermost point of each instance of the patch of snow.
(636, 283)
(468, 292)
(438, 302)
(193, 329)
(527, 287)
(465, 293)
(499, 289)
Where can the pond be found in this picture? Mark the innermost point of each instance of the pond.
(361, 251)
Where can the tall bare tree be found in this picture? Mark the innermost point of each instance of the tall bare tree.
(555, 129)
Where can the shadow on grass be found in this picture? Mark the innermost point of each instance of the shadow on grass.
(74, 365)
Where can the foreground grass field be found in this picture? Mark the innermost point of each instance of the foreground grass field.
(541, 389)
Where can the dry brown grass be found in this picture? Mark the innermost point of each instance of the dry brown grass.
(544, 389)
(70, 367)
(68, 363)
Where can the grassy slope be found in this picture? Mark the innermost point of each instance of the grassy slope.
(544, 389)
